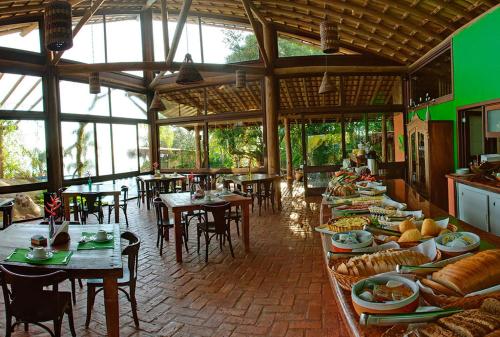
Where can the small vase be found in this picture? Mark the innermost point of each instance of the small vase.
(90, 184)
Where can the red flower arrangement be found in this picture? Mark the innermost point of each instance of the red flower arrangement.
(155, 165)
(52, 206)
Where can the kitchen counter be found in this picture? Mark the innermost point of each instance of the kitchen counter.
(399, 191)
(476, 181)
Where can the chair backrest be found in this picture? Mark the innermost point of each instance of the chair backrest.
(158, 204)
(132, 253)
(8, 212)
(125, 193)
(138, 182)
(218, 212)
(93, 201)
(28, 289)
(266, 187)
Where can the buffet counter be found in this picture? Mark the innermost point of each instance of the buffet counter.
(399, 191)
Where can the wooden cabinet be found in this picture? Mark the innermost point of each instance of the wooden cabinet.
(473, 206)
(430, 158)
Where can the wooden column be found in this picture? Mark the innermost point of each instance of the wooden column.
(53, 131)
(384, 138)
(272, 104)
(288, 148)
(197, 147)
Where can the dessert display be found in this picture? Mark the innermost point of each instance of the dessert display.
(347, 241)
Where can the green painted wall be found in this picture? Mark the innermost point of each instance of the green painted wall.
(476, 69)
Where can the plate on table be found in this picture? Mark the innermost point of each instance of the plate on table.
(29, 256)
(108, 238)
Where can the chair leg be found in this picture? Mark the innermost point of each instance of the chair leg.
(69, 312)
(80, 283)
(90, 303)
(158, 236)
(126, 217)
(8, 326)
(26, 327)
(73, 290)
(57, 327)
(198, 234)
(109, 214)
(206, 247)
(160, 229)
(133, 303)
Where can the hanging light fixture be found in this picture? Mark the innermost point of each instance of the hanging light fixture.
(326, 85)
(329, 34)
(58, 26)
(156, 103)
(94, 83)
(241, 79)
(188, 74)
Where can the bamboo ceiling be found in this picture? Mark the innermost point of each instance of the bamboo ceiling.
(402, 30)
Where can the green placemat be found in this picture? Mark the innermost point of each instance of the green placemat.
(59, 257)
(95, 245)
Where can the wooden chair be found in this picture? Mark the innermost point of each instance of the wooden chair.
(141, 192)
(123, 204)
(91, 203)
(73, 206)
(265, 194)
(218, 227)
(7, 214)
(164, 225)
(29, 303)
(129, 279)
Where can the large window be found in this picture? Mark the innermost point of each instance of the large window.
(76, 99)
(125, 148)
(104, 150)
(288, 47)
(24, 36)
(178, 145)
(128, 104)
(88, 44)
(78, 149)
(324, 142)
(144, 148)
(236, 144)
(21, 92)
(124, 42)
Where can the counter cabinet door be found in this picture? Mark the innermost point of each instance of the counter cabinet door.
(473, 207)
(494, 214)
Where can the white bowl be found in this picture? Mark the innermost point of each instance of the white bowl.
(476, 240)
(409, 304)
(365, 236)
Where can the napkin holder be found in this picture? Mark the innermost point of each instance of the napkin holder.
(61, 235)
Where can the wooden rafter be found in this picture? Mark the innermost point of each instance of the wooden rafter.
(258, 36)
(238, 97)
(304, 92)
(175, 41)
(287, 92)
(88, 15)
(361, 82)
(222, 99)
(21, 101)
(376, 90)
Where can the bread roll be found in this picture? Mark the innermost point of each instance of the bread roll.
(406, 225)
(472, 273)
(430, 228)
(410, 235)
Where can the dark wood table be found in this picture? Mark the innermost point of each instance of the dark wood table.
(398, 190)
(151, 179)
(181, 202)
(245, 180)
(100, 263)
(105, 189)
(4, 201)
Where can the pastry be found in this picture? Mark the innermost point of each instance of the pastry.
(406, 225)
(430, 228)
(491, 306)
(473, 273)
(348, 223)
(439, 288)
(410, 236)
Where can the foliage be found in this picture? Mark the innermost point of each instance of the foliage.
(78, 149)
(288, 48)
(177, 147)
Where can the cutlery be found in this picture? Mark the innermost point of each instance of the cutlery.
(413, 317)
(405, 269)
(67, 257)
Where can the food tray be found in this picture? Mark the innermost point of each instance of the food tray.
(469, 302)
(377, 239)
(347, 281)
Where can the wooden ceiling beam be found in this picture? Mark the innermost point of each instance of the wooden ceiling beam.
(340, 70)
(88, 15)
(304, 92)
(175, 40)
(452, 7)
(238, 97)
(217, 93)
(256, 31)
(358, 91)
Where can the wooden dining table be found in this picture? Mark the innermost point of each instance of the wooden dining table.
(105, 189)
(150, 179)
(182, 202)
(244, 180)
(4, 201)
(98, 263)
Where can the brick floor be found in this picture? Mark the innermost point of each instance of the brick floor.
(279, 289)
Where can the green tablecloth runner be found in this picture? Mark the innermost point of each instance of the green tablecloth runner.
(95, 245)
(59, 257)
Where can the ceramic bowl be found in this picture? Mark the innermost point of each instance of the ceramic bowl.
(407, 305)
(365, 237)
(462, 171)
(453, 251)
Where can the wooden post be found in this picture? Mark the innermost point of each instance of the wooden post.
(53, 132)
(272, 104)
(288, 148)
(384, 138)
(197, 147)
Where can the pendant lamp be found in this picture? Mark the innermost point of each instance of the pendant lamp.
(156, 103)
(326, 85)
(329, 34)
(188, 74)
(94, 83)
(58, 26)
(241, 79)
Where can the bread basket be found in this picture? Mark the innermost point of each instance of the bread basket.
(470, 302)
(347, 281)
(450, 227)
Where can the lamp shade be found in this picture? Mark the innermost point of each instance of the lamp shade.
(241, 79)
(156, 103)
(58, 26)
(94, 83)
(329, 34)
(326, 85)
(188, 74)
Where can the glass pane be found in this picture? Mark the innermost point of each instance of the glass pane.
(76, 99)
(236, 144)
(128, 104)
(104, 153)
(21, 92)
(144, 148)
(290, 47)
(222, 45)
(88, 45)
(78, 149)
(27, 205)
(22, 152)
(24, 36)
(324, 143)
(178, 146)
(125, 147)
(295, 142)
(494, 121)
(354, 132)
(317, 180)
(189, 42)
(121, 49)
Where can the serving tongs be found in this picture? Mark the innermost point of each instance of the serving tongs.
(405, 318)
